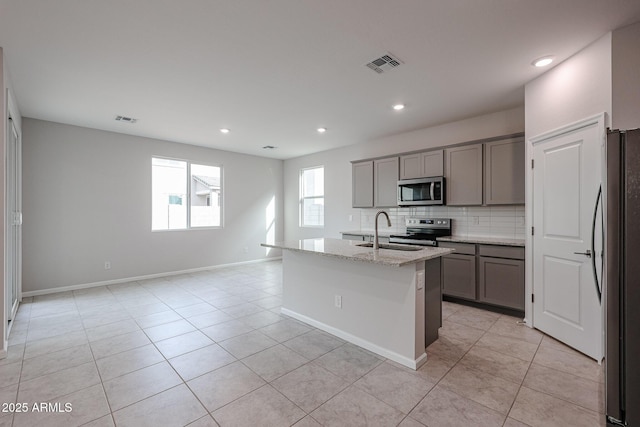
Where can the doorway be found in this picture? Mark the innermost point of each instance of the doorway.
(566, 176)
(13, 220)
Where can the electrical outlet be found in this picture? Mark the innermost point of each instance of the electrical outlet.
(475, 220)
(107, 265)
(350, 218)
(245, 250)
(338, 301)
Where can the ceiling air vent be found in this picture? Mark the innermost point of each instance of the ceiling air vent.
(385, 63)
(125, 119)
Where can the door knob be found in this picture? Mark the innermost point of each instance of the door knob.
(587, 253)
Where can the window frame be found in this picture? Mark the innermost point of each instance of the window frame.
(188, 195)
(302, 198)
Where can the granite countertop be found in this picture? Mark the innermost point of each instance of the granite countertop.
(349, 250)
(483, 240)
(369, 233)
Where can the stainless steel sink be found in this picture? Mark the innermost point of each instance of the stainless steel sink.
(392, 247)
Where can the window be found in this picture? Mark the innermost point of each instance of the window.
(312, 197)
(185, 195)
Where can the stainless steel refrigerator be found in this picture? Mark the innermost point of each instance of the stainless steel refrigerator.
(622, 266)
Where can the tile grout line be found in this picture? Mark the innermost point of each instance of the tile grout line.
(460, 359)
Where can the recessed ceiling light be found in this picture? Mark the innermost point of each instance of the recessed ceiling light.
(542, 62)
(224, 130)
(322, 130)
(398, 107)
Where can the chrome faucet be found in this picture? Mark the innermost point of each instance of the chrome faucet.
(376, 244)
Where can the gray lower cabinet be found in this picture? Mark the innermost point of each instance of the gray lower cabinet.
(459, 276)
(459, 270)
(501, 282)
(501, 275)
(489, 274)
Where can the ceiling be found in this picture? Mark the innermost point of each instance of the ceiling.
(273, 71)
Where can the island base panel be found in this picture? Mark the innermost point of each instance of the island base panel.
(382, 307)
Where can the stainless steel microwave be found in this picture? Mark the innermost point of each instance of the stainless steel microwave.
(421, 191)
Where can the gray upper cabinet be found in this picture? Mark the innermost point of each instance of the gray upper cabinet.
(504, 171)
(463, 173)
(422, 165)
(362, 184)
(433, 163)
(411, 166)
(476, 173)
(385, 178)
(375, 183)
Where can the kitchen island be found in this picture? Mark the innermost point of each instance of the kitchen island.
(387, 301)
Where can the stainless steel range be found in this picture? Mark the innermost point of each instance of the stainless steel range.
(423, 231)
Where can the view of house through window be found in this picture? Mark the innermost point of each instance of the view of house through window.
(185, 195)
(312, 197)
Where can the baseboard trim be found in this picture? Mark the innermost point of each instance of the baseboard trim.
(381, 351)
(145, 277)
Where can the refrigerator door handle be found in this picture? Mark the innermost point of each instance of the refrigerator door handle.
(593, 245)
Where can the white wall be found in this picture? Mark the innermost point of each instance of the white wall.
(625, 57)
(337, 165)
(87, 200)
(577, 88)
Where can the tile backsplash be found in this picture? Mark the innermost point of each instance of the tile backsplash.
(474, 221)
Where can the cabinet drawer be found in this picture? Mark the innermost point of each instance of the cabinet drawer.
(461, 248)
(501, 282)
(513, 252)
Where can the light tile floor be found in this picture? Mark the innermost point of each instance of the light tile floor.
(212, 349)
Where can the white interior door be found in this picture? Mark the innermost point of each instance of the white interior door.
(566, 180)
(13, 266)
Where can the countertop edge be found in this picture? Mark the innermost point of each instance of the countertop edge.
(496, 241)
(386, 262)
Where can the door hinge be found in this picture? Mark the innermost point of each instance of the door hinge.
(531, 163)
(532, 298)
(532, 231)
